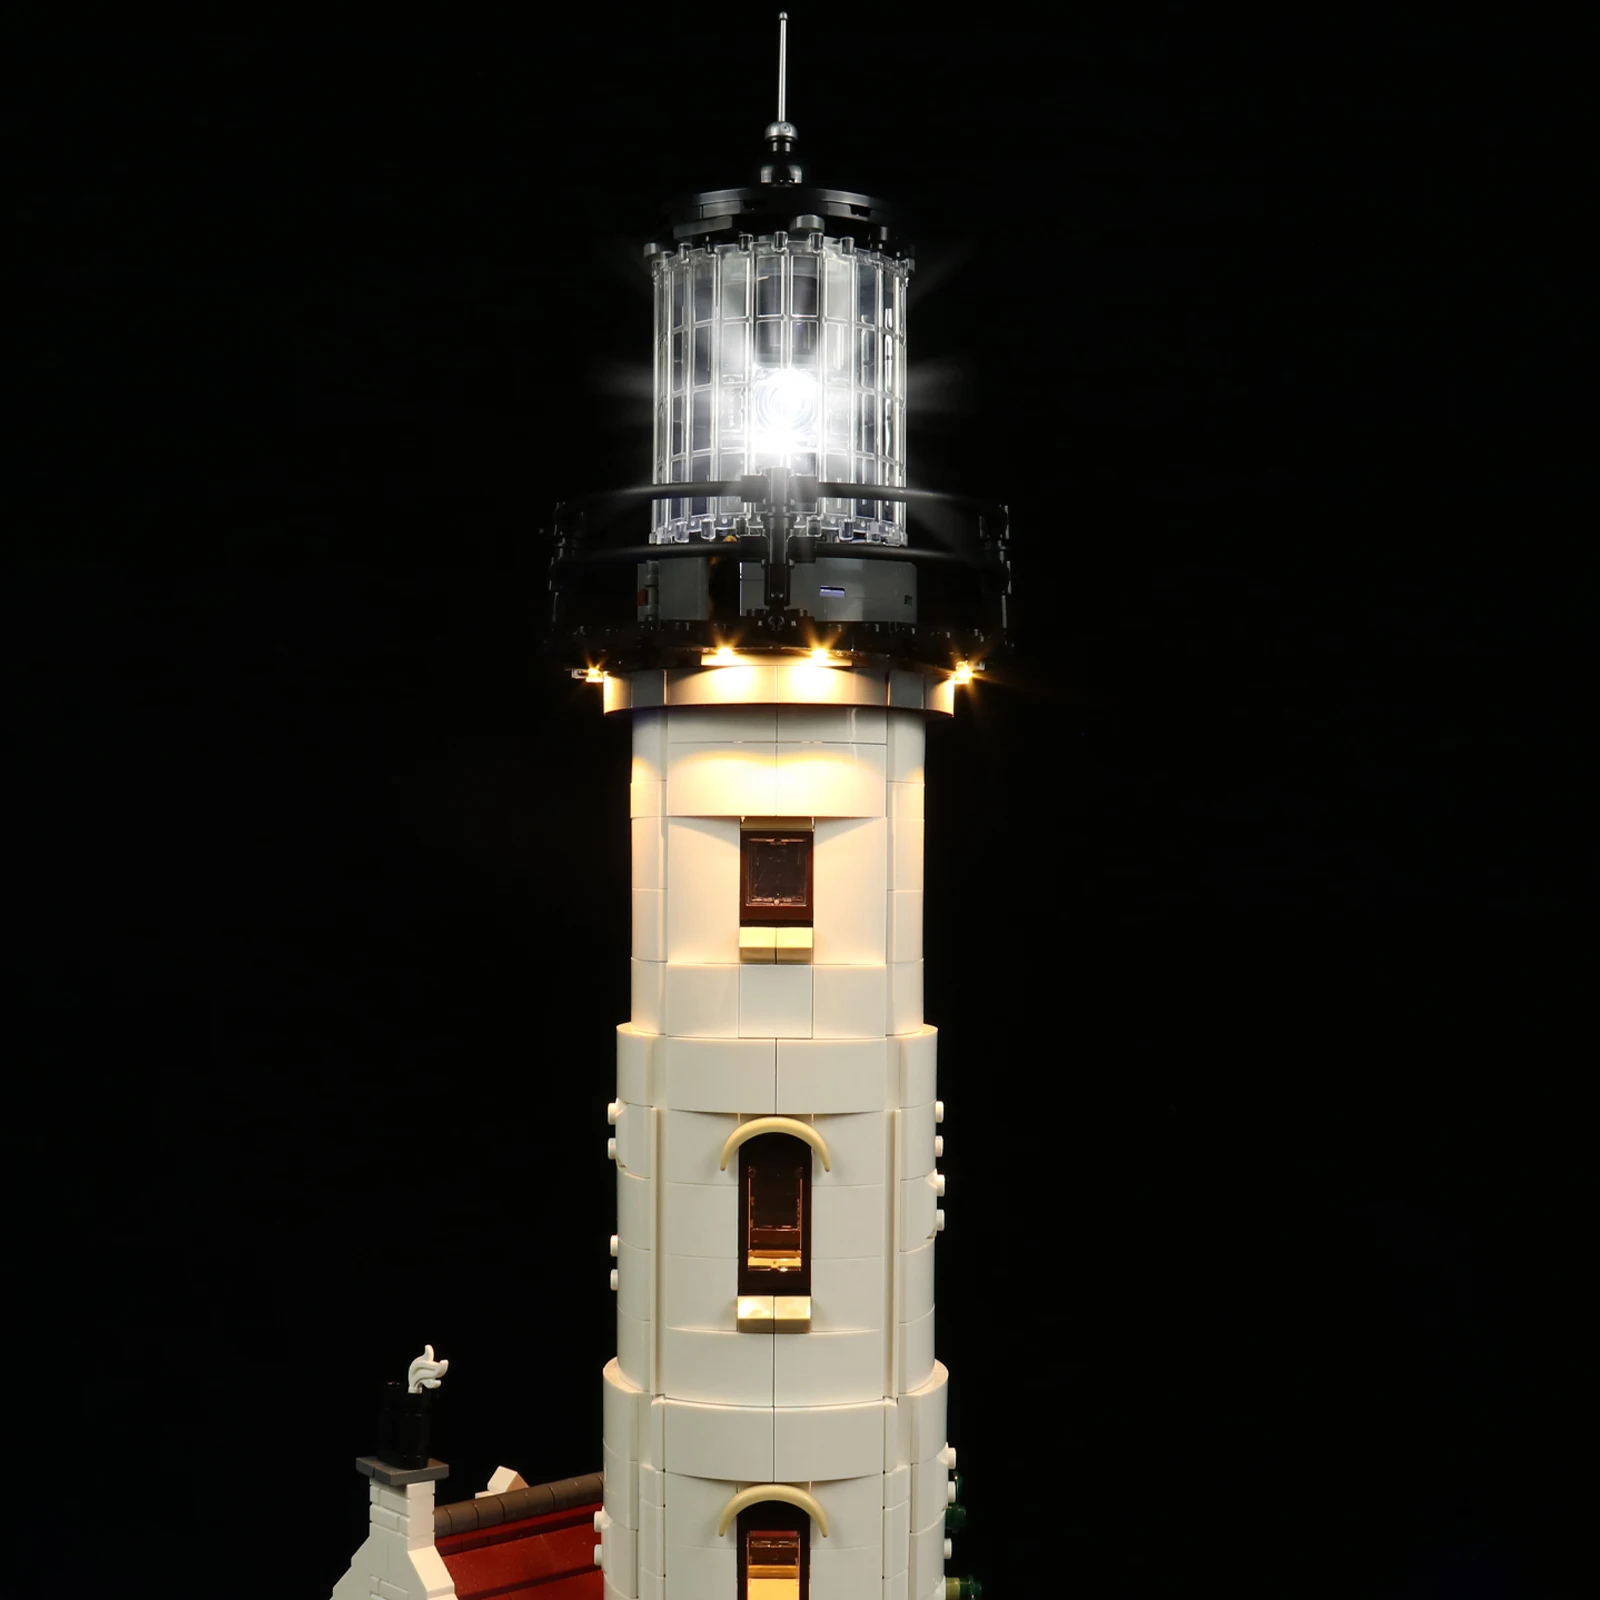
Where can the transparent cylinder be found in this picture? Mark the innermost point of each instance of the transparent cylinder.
(780, 351)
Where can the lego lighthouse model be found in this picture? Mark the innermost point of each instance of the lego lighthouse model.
(775, 1414)
(774, 1418)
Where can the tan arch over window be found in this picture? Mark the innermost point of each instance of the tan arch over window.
(759, 1125)
(786, 1492)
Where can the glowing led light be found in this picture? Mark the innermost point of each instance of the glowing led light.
(963, 673)
(594, 675)
(786, 406)
(823, 658)
(722, 656)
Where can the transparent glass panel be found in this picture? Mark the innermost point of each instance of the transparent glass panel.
(705, 277)
(803, 461)
(891, 298)
(735, 351)
(841, 289)
(769, 286)
(731, 421)
(677, 361)
(866, 291)
(866, 472)
(677, 295)
(888, 364)
(702, 353)
(841, 418)
(803, 286)
(769, 343)
(736, 284)
(867, 429)
(867, 366)
(803, 344)
(837, 468)
(837, 360)
(677, 424)
(701, 424)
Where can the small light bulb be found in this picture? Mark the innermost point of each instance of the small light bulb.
(594, 675)
(963, 672)
(723, 656)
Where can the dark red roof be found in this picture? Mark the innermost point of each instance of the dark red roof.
(550, 1557)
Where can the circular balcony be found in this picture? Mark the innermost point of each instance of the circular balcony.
(777, 579)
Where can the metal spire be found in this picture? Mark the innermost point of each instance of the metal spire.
(781, 135)
(783, 58)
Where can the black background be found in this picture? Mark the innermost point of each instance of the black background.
(1258, 902)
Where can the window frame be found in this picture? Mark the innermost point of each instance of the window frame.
(772, 1516)
(768, 916)
(753, 1281)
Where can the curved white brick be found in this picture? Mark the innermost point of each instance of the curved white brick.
(718, 1075)
(635, 1049)
(916, 1140)
(829, 1076)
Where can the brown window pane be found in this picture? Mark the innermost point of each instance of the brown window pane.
(775, 1225)
(774, 1542)
(776, 874)
(772, 1560)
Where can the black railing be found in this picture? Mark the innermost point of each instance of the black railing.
(755, 493)
(964, 603)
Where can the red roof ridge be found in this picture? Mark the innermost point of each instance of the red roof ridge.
(539, 1499)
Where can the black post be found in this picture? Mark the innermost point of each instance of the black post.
(403, 1423)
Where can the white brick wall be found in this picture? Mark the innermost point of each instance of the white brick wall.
(398, 1560)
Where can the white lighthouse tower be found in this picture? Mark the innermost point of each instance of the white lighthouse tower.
(775, 1413)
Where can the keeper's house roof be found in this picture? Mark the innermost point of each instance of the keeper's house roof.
(529, 1544)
